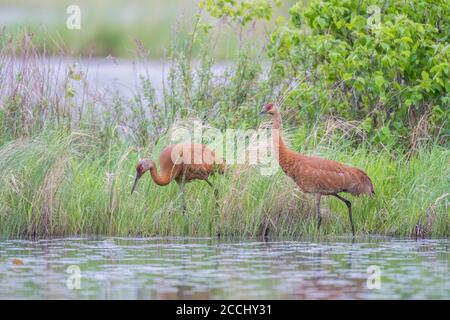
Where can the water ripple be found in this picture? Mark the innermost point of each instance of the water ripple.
(202, 268)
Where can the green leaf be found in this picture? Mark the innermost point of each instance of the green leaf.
(379, 81)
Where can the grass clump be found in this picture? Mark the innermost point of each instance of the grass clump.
(63, 183)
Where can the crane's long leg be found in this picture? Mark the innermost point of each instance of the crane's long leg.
(319, 217)
(216, 192)
(349, 206)
(216, 199)
(183, 200)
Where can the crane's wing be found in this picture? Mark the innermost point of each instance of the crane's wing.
(328, 176)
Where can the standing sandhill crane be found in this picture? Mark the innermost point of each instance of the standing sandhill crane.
(319, 176)
(182, 162)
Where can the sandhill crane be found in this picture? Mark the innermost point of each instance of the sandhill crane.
(182, 162)
(319, 176)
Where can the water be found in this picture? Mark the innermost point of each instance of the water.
(104, 78)
(180, 268)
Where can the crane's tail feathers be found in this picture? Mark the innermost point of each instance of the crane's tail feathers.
(220, 168)
(373, 191)
(365, 185)
(368, 185)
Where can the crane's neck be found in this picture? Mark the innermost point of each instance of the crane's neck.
(278, 142)
(159, 180)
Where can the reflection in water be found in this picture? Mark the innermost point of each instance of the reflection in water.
(180, 268)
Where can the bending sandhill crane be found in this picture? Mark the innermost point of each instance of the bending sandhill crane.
(319, 176)
(182, 162)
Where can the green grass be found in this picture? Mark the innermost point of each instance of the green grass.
(60, 183)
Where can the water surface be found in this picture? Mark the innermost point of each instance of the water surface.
(203, 268)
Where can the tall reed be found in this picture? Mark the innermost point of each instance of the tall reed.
(65, 183)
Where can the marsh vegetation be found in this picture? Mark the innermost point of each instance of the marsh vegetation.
(67, 158)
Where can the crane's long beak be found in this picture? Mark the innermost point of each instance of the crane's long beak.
(138, 176)
(261, 113)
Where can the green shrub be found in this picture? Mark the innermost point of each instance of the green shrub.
(383, 62)
(242, 12)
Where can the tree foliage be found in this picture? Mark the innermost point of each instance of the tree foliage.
(389, 59)
(383, 62)
(240, 11)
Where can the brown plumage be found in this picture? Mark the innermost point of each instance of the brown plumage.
(182, 162)
(319, 176)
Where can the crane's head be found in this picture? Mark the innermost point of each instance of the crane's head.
(142, 167)
(270, 108)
